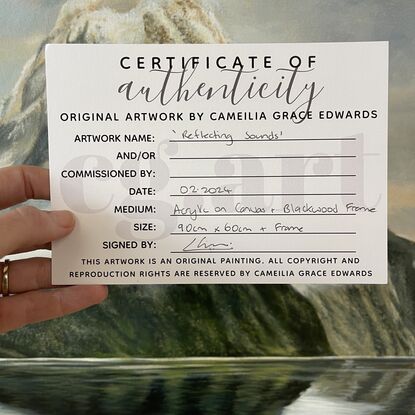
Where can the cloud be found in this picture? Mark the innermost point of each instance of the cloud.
(401, 208)
(401, 196)
(22, 17)
(12, 48)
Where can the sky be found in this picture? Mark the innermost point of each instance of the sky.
(24, 23)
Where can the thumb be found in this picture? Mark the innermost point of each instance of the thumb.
(28, 226)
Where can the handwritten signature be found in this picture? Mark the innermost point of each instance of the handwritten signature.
(202, 245)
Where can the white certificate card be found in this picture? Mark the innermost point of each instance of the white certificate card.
(232, 163)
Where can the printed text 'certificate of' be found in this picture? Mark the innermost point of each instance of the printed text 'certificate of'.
(238, 163)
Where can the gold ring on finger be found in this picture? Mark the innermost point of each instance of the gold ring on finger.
(5, 279)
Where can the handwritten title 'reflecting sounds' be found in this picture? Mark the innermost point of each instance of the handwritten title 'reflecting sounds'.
(180, 80)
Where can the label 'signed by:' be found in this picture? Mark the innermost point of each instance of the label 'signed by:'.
(238, 163)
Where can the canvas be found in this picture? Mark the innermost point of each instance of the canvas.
(242, 349)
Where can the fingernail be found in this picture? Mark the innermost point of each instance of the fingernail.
(63, 218)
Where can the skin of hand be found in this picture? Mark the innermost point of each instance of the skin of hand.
(32, 297)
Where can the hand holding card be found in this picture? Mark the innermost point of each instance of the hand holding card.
(26, 286)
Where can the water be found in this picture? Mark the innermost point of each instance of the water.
(208, 386)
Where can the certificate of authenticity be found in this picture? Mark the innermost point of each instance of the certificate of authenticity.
(232, 163)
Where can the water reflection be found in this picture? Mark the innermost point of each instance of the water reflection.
(225, 386)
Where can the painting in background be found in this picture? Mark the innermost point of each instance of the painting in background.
(244, 320)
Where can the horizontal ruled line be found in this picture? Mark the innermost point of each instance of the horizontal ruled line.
(262, 157)
(201, 140)
(268, 214)
(264, 194)
(212, 251)
(261, 176)
(263, 233)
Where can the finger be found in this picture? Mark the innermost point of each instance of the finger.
(47, 246)
(27, 226)
(20, 183)
(32, 307)
(29, 275)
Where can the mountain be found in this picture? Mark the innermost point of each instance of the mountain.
(148, 320)
(194, 320)
(180, 320)
(23, 122)
(372, 319)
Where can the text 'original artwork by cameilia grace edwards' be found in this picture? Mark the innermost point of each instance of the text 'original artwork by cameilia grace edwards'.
(238, 163)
